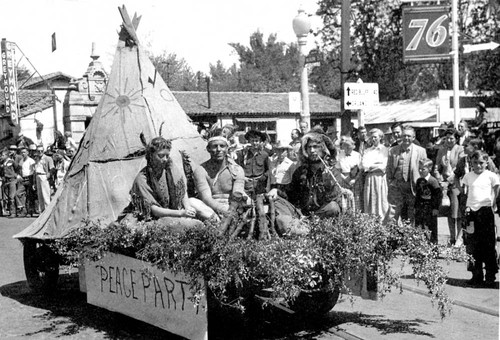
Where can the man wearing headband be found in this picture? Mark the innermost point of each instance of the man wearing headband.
(219, 180)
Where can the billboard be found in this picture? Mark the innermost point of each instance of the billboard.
(10, 81)
(426, 34)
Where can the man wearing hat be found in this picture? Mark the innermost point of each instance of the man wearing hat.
(480, 122)
(255, 162)
(23, 141)
(8, 171)
(282, 167)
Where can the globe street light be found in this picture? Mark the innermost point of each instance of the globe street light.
(301, 27)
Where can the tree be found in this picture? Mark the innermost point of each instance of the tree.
(175, 72)
(271, 66)
(222, 79)
(376, 43)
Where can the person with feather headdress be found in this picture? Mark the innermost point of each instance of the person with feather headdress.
(159, 191)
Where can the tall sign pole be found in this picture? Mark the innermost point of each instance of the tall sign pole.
(454, 48)
(345, 58)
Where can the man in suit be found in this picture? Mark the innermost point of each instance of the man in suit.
(402, 174)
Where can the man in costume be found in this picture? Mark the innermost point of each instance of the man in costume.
(314, 189)
(219, 180)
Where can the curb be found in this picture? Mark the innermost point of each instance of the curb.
(479, 309)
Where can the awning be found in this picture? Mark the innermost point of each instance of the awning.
(256, 119)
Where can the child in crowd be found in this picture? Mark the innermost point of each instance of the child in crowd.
(427, 199)
(482, 187)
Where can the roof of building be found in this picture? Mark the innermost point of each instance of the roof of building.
(36, 81)
(249, 103)
(424, 110)
(30, 101)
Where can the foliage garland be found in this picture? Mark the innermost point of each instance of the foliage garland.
(235, 269)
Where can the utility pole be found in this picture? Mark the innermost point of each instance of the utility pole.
(345, 61)
(454, 48)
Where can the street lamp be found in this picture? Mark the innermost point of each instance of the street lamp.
(301, 27)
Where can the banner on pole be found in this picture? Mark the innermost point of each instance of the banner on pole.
(10, 81)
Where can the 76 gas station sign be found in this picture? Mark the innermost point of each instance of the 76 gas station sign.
(426, 33)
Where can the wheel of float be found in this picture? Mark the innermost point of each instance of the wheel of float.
(315, 302)
(41, 266)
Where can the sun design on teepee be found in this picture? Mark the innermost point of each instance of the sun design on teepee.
(125, 99)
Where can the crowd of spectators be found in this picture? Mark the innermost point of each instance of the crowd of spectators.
(30, 174)
(391, 176)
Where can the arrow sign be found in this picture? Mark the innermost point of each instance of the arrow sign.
(480, 47)
(359, 95)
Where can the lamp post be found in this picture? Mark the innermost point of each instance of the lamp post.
(301, 27)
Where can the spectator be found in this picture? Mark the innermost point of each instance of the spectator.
(482, 186)
(70, 142)
(402, 174)
(463, 132)
(70, 153)
(282, 167)
(23, 141)
(43, 169)
(362, 142)
(9, 173)
(59, 141)
(427, 200)
(464, 166)
(480, 122)
(397, 134)
(61, 165)
(446, 162)
(304, 127)
(25, 192)
(348, 166)
(255, 162)
(296, 136)
(374, 164)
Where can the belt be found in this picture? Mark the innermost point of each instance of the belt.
(255, 177)
(40, 173)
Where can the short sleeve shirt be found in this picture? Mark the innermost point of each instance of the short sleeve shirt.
(480, 189)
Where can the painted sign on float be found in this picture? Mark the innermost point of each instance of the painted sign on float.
(128, 286)
(10, 82)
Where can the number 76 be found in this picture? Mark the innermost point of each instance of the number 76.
(435, 36)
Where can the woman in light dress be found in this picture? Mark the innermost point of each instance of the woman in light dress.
(374, 164)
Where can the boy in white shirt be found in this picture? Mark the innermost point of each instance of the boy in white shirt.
(482, 191)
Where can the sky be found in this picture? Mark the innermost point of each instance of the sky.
(197, 30)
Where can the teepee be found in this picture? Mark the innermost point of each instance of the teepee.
(111, 154)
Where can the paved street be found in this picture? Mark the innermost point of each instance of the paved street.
(408, 316)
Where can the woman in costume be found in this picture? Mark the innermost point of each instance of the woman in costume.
(159, 191)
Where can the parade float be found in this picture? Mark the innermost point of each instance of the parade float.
(174, 279)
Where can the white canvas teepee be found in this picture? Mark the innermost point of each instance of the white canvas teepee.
(102, 172)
